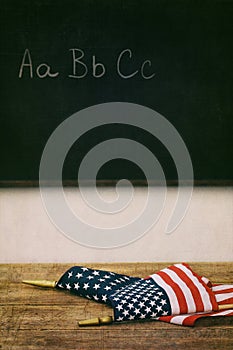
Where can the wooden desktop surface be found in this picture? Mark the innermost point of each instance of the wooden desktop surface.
(37, 318)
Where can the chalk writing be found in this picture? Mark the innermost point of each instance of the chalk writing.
(45, 67)
(80, 68)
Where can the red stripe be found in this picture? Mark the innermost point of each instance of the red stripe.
(193, 288)
(165, 318)
(208, 290)
(178, 291)
(226, 301)
(230, 314)
(223, 291)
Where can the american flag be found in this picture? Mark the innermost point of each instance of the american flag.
(174, 290)
(92, 283)
(175, 294)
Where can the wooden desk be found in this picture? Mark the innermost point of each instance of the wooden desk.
(35, 318)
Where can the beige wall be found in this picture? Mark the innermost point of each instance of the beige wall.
(205, 234)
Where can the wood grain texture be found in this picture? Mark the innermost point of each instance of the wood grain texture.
(37, 318)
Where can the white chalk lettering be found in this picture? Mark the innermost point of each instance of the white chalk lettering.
(76, 61)
(24, 64)
(46, 72)
(142, 70)
(81, 67)
(97, 66)
(119, 64)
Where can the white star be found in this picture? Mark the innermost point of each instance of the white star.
(96, 286)
(76, 286)
(113, 284)
(134, 300)
(152, 303)
(119, 307)
(70, 274)
(163, 302)
(165, 313)
(125, 312)
(96, 273)
(115, 299)
(104, 297)
(148, 309)
(137, 311)
(86, 286)
(60, 285)
(101, 279)
(159, 308)
(127, 297)
(119, 318)
(90, 277)
(142, 316)
(141, 304)
(79, 275)
(155, 297)
(107, 276)
(160, 293)
(84, 268)
(131, 317)
(145, 298)
(130, 306)
(154, 314)
(68, 286)
(107, 288)
(123, 301)
(95, 297)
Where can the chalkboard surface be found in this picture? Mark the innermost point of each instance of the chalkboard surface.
(59, 57)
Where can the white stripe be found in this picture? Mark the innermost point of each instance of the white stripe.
(175, 308)
(186, 291)
(221, 297)
(222, 313)
(222, 287)
(179, 319)
(205, 280)
(204, 295)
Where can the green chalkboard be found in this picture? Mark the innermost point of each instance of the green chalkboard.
(173, 56)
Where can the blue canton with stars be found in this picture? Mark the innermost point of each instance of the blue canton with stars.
(140, 300)
(97, 285)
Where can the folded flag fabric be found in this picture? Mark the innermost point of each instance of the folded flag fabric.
(175, 294)
(223, 294)
(93, 284)
(174, 290)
